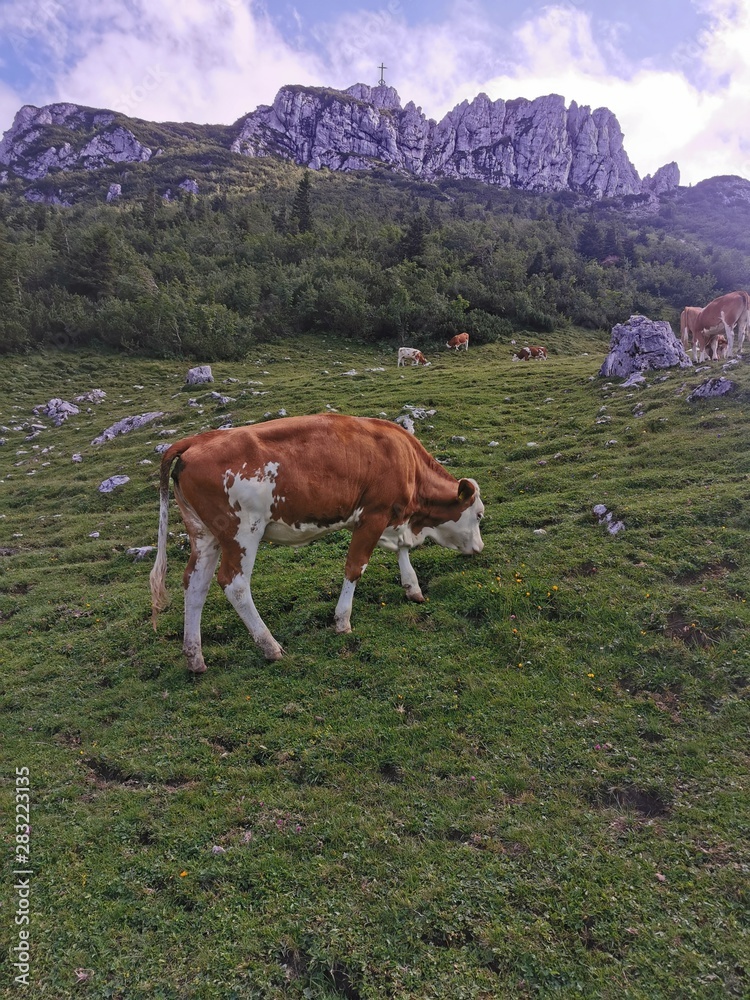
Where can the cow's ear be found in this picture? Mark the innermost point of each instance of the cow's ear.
(466, 490)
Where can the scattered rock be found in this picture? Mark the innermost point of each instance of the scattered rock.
(93, 396)
(419, 412)
(635, 379)
(112, 483)
(718, 386)
(606, 517)
(406, 422)
(199, 375)
(140, 552)
(126, 425)
(58, 410)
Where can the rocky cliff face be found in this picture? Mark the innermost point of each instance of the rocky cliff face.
(67, 137)
(537, 145)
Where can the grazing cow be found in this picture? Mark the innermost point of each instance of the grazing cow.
(291, 481)
(411, 354)
(459, 341)
(721, 315)
(688, 317)
(527, 353)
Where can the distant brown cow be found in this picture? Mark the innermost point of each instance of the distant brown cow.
(721, 315)
(527, 353)
(459, 341)
(687, 323)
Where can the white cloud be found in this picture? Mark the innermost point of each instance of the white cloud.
(10, 102)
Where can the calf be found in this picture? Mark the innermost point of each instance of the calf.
(459, 341)
(291, 481)
(411, 354)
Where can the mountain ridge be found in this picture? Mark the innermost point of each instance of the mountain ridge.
(535, 145)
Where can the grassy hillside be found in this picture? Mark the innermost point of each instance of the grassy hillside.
(265, 250)
(536, 784)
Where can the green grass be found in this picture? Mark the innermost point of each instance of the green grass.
(533, 785)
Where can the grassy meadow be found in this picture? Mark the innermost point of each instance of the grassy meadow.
(533, 785)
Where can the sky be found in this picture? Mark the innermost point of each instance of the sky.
(676, 73)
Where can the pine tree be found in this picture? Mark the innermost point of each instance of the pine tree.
(301, 211)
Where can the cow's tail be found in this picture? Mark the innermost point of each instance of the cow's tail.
(157, 577)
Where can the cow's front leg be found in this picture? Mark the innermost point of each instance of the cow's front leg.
(364, 539)
(409, 580)
(235, 573)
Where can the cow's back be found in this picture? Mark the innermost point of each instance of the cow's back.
(322, 468)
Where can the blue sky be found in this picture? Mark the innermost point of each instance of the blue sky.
(676, 73)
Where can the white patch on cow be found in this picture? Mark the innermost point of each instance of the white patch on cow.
(255, 502)
(464, 534)
(300, 534)
(400, 536)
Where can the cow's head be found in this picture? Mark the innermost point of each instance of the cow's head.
(460, 529)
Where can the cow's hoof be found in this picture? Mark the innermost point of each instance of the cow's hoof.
(197, 668)
(274, 652)
(415, 595)
(344, 629)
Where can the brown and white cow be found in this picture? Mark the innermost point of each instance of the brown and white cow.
(722, 315)
(688, 316)
(527, 353)
(411, 354)
(291, 481)
(459, 341)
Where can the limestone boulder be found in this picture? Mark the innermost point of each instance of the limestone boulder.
(643, 344)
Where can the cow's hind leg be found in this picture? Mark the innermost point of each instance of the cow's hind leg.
(409, 580)
(235, 573)
(196, 581)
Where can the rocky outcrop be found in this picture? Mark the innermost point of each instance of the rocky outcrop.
(643, 344)
(666, 178)
(67, 137)
(537, 145)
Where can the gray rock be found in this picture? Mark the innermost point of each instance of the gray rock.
(199, 375)
(58, 410)
(126, 425)
(711, 388)
(189, 185)
(112, 483)
(406, 422)
(642, 344)
(140, 552)
(115, 190)
(93, 396)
